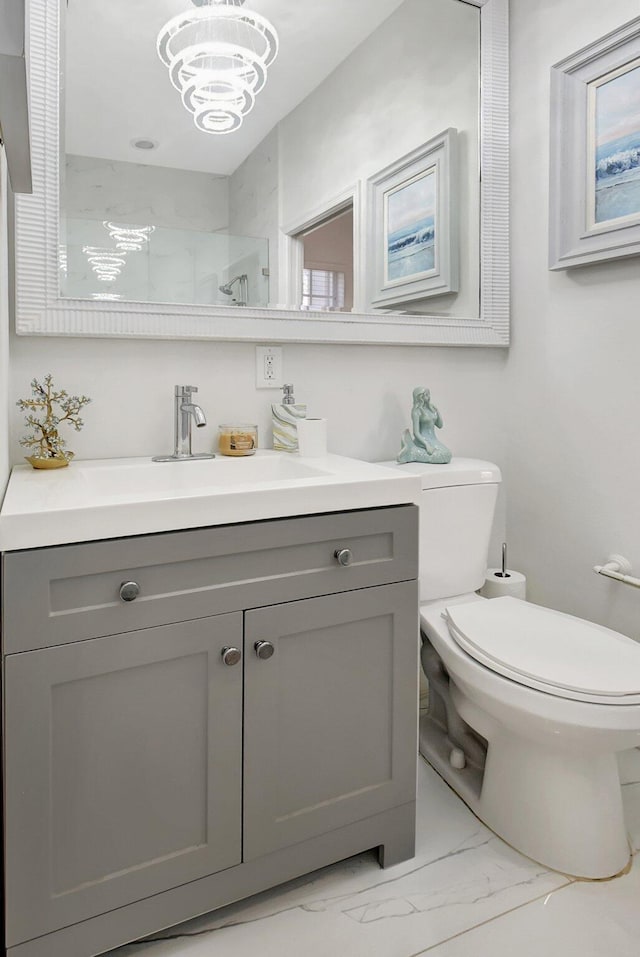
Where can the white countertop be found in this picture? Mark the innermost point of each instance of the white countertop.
(113, 498)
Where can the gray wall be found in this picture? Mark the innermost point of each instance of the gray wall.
(573, 384)
(416, 75)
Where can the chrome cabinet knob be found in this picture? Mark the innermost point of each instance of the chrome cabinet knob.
(231, 656)
(129, 591)
(344, 556)
(264, 649)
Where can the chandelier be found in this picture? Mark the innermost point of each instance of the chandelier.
(128, 238)
(106, 263)
(217, 55)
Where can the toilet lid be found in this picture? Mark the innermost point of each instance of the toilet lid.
(548, 650)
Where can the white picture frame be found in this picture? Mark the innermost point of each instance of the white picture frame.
(594, 196)
(412, 235)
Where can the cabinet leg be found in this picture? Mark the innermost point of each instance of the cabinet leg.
(400, 843)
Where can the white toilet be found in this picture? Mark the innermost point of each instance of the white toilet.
(527, 706)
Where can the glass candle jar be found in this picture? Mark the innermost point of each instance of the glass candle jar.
(237, 439)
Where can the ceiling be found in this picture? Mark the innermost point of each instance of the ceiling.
(116, 89)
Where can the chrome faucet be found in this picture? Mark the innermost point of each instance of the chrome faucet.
(185, 413)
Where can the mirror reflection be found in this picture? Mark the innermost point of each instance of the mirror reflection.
(180, 185)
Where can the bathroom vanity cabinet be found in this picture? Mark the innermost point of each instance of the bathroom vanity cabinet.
(193, 716)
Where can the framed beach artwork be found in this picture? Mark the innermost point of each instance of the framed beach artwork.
(595, 152)
(614, 147)
(411, 226)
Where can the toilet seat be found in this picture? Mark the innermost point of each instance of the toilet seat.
(548, 650)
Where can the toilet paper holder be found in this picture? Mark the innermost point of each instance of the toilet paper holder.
(504, 582)
(503, 573)
(618, 568)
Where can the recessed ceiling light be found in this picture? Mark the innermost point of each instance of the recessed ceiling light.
(144, 144)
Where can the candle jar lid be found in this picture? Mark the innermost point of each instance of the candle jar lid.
(240, 439)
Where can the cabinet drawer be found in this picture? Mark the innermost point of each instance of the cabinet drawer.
(56, 595)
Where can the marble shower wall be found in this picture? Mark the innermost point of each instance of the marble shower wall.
(139, 194)
(254, 211)
(190, 253)
(135, 193)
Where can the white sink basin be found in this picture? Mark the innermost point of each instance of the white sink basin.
(114, 498)
(132, 477)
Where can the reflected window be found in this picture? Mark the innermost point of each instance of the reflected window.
(327, 275)
(322, 289)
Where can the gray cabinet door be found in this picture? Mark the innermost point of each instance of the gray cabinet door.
(123, 770)
(330, 718)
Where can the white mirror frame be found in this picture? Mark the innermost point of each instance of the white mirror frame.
(41, 311)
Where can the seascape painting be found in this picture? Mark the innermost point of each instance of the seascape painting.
(411, 227)
(616, 124)
(412, 239)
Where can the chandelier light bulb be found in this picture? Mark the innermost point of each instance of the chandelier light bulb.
(217, 55)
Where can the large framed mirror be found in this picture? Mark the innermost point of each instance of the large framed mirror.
(143, 225)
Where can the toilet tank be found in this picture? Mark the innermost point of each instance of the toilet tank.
(456, 515)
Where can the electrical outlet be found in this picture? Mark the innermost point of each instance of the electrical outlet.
(268, 367)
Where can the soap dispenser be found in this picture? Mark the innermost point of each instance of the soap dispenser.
(285, 419)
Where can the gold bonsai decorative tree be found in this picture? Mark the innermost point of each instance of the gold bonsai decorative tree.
(42, 418)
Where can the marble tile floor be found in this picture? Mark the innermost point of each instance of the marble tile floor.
(465, 894)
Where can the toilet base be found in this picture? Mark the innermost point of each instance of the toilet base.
(562, 809)
(559, 808)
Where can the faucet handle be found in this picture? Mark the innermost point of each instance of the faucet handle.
(184, 391)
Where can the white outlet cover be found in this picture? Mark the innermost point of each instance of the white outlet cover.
(263, 354)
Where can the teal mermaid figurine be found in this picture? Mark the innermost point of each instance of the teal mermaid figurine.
(423, 445)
